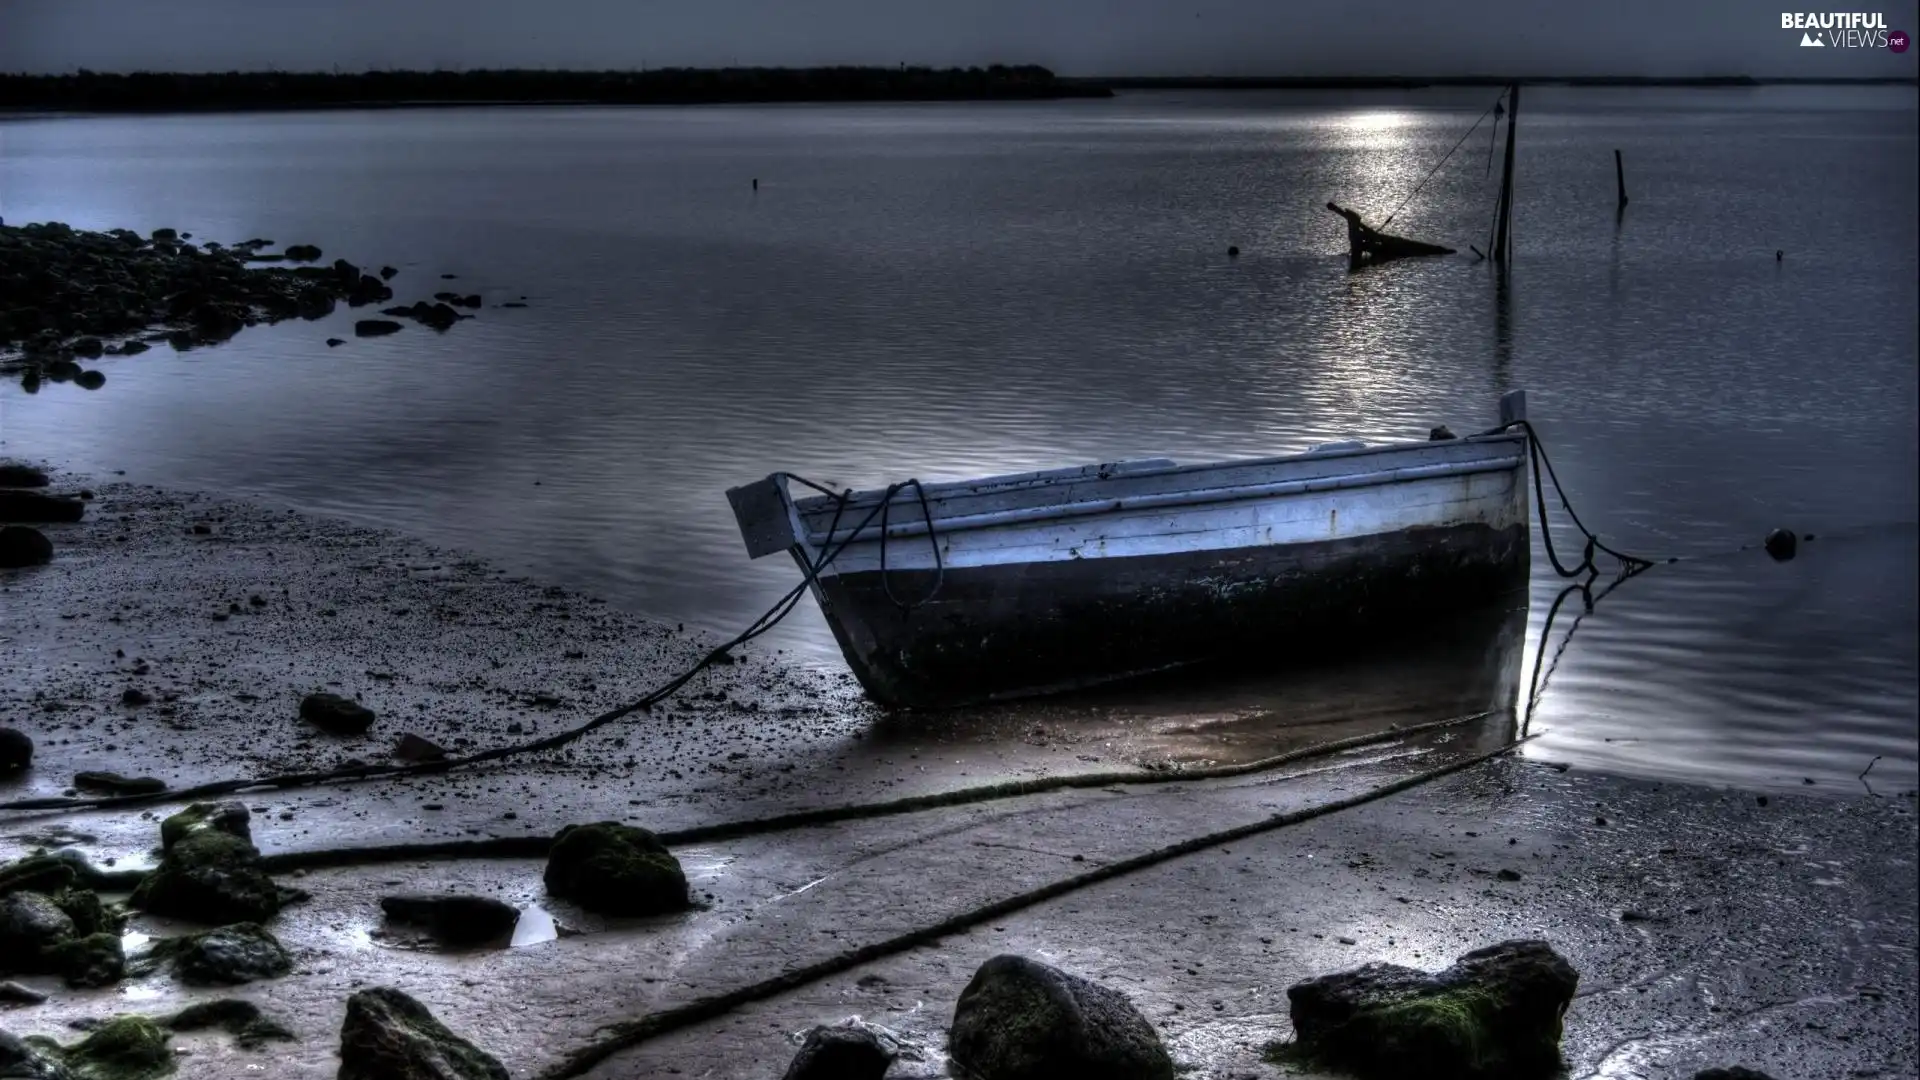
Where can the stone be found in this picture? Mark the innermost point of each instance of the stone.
(471, 300)
(336, 715)
(334, 342)
(89, 347)
(124, 1048)
(387, 273)
(112, 783)
(451, 918)
(15, 474)
(230, 955)
(21, 1060)
(1731, 1072)
(1496, 1012)
(134, 348)
(39, 873)
(133, 697)
(89, 915)
(389, 1036)
(614, 869)
(1782, 544)
(16, 749)
(91, 961)
(303, 253)
(1441, 433)
(231, 818)
(31, 927)
(209, 871)
(418, 748)
(840, 1053)
(249, 1027)
(375, 327)
(90, 380)
(31, 506)
(12, 993)
(1019, 1019)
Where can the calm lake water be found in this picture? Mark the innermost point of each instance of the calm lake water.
(950, 290)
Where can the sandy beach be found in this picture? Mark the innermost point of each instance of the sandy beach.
(1709, 927)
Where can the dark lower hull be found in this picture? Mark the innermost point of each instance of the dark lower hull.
(1032, 628)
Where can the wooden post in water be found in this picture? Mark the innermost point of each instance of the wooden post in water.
(1503, 231)
(1620, 175)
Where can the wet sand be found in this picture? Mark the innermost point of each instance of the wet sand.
(1708, 928)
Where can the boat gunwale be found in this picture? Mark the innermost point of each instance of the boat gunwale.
(1173, 499)
(906, 496)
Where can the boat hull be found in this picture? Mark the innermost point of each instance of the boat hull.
(1011, 630)
(1002, 587)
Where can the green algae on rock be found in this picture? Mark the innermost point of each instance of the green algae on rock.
(124, 1048)
(389, 1036)
(243, 952)
(614, 869)
(90, 961)
(1496, 1012)
(210, 871)
(24, 1061)
(1019, 1019)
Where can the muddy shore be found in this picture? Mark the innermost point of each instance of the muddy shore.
(1709, 927)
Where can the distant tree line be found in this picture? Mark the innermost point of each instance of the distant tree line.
(161, 91)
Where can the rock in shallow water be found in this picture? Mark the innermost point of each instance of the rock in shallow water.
(840, 1053)
(615, 869)
(453, 919)
(1023, 1020)
(124, 1048)
(389, 1036)
(375, 327)
(1495, 1013)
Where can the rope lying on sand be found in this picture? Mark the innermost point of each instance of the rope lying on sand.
(534, 847)
(627, 1034)
(721, 653)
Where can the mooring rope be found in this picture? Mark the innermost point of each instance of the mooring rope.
(627, 1034)
(1437, 164)
(767, 621)
(533, 847)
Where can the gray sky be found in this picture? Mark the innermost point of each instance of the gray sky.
(1076, 37)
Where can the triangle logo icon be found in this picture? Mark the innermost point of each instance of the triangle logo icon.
(1808, 41)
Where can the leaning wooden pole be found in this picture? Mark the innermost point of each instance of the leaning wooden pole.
(1620, 176)
(1503, 236)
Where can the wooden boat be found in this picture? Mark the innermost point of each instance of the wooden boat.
(1014, 585)
(1370, 245)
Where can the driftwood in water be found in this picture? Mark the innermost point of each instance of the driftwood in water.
(1366, 245)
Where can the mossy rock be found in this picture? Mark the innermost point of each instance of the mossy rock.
(243, 1020)
(90, 961)
(241, 953)
(389, 1036)
(26, 1061)
(1019, 1019)
(32, 926)
(209, 870)
(615, 869)
(35, 873)
(124, 1048)
(1497, 1012)
(89, 914)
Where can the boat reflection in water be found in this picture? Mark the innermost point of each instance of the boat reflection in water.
(1466, 663)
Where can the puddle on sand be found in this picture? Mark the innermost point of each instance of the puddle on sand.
(536, 927)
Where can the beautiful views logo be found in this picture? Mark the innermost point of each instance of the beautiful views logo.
(1844, 30)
